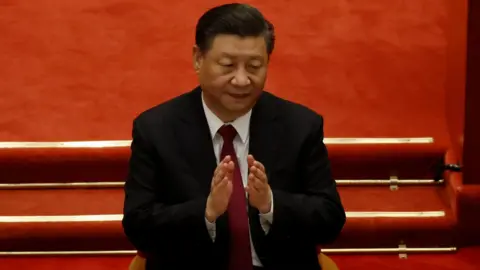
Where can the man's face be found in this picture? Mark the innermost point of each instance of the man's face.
(232, 73)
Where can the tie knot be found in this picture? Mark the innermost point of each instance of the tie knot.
(228, 132)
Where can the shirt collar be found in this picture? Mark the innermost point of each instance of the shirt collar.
(241, 124)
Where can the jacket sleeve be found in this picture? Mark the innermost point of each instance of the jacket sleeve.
(316, 214)
(149, 224)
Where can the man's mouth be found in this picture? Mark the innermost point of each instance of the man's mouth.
(239, 95)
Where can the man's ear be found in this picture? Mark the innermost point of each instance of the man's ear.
(197, 57)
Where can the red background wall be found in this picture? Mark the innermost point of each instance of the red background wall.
(82, 69)
(471, 146)
(456, 33)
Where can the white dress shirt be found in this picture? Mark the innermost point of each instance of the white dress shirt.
(240, 144)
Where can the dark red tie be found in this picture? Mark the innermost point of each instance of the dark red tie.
(240, 253)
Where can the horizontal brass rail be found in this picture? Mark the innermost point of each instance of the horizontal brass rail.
(126, 143)
(400, 182)
(326, 251)
(340, 182)
(72, 185)
(118, 217)
(389, 250)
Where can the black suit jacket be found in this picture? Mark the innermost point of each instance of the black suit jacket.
(171, 168)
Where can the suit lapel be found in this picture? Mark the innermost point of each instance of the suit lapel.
(195, 140)
(264, 132)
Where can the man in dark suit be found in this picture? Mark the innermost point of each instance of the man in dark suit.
(228, 176)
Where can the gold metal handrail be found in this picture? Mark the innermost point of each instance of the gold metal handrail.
(118, 217)
(395, 250)
(119, 184)
(126, 143)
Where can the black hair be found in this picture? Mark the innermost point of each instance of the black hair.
(233, 19)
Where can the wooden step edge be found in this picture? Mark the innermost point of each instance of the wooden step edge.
(340, 182)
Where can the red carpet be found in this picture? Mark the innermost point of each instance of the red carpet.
(360, 231)
(110, 200)
(61, 202)
(406, 198)
(465, 259)
(67, 263)
(349, 161)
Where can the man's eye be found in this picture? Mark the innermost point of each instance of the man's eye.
(225, 63)
(255, 64)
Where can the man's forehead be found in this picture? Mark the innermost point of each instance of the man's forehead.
(232, 45)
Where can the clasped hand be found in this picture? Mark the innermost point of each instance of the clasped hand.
(259, 193)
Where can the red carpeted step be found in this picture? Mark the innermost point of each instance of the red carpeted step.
(52, 223)
(110, 200)
(405, 198)
(417, 216)
(381, 161)
(61, 202)
(58, 165)
(101, 230)
(66, 262)
(464, 259)
(349, 161)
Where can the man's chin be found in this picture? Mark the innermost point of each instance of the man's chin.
(239, 109)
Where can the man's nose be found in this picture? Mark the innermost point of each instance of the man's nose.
(241, 78)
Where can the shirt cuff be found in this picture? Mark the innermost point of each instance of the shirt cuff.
(266, 219)
(212, 229)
